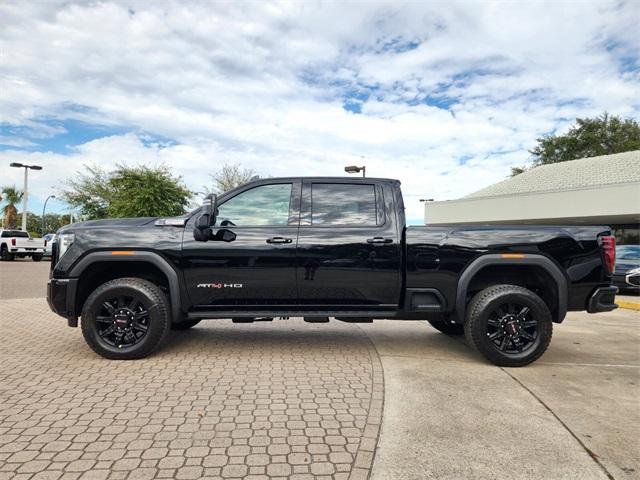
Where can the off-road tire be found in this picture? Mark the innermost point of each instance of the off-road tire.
(5, 254)
(37, 257)
(482, 307)
(185, 324)
(447, 328)
(151, 297)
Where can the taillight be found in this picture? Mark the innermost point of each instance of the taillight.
(13, 242)
(45, 243)
(609, 252)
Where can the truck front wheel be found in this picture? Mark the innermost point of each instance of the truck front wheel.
(510, 325)
(126, 318)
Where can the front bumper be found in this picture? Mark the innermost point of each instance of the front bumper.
(602, 300)
(626, 282)
(61, 297)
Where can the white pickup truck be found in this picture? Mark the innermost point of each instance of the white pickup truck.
(17, 243)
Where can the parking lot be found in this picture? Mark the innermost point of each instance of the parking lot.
(288, 399)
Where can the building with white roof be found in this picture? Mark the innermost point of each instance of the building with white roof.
(601, 190)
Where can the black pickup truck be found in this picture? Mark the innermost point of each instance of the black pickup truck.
(320, 248)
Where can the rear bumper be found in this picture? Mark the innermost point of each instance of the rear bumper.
(26, 251)
(61, 296)
(602, 300)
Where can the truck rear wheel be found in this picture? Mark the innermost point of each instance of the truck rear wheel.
(126, 318)
(448, 328)
(5, 254)
(510, 325)
(36, 257)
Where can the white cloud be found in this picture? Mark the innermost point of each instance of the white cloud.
(263, 84)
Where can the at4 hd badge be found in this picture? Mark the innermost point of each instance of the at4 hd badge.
(219, 285)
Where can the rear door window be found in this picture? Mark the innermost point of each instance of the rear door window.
(343, 204)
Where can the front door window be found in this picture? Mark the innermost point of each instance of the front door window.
(267, 205)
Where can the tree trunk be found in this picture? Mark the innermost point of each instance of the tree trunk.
(10, 217)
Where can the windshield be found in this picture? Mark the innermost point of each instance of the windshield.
(628, 252)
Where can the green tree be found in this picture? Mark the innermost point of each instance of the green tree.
(52, 222)
(147, 192)
(12, 196)
(127, 192)
(589, 137)
(90, 192)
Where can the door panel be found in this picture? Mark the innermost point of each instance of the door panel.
(247, 271)
(342, 264)
(258, 267)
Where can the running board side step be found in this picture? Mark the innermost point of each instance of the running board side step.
(316, 319)
(251, 319)
(346, 316)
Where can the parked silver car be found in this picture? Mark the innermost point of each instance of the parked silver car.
(49, 238)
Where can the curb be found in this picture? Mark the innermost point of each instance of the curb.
(628, 305)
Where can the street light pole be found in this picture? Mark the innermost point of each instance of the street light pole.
(356, 169)
(25, 199)
(25, 192)
(43, 211)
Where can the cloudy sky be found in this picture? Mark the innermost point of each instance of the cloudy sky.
(444, 96)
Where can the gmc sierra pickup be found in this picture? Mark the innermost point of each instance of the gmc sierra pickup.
(320, 248)
(18, 243)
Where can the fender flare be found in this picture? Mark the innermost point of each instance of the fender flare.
(497, 259)
(137, 256)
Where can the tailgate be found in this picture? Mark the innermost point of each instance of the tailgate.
(30, 243)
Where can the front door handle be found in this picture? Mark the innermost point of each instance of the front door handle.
(279, 240)
(379, 240)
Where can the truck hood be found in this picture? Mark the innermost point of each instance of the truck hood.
(109, 223)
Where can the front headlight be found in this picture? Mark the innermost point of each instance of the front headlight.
(63, 242)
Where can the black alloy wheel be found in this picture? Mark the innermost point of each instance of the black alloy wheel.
(510, 325)
(122, 321)
(512, 329)
(126, 318)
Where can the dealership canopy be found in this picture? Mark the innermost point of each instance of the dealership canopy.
(597, 190)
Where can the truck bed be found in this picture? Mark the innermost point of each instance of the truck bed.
(437, 256)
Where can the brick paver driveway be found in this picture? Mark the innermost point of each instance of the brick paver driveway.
(264, 400)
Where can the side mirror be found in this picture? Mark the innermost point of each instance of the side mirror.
(203, 221)
(224, 235)
(202, 229)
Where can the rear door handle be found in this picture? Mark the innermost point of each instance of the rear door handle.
(379, 240)
(279, 240)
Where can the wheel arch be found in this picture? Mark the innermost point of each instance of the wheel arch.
(509, 260)
(131, 259)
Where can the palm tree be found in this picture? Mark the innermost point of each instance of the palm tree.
(12, 196)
